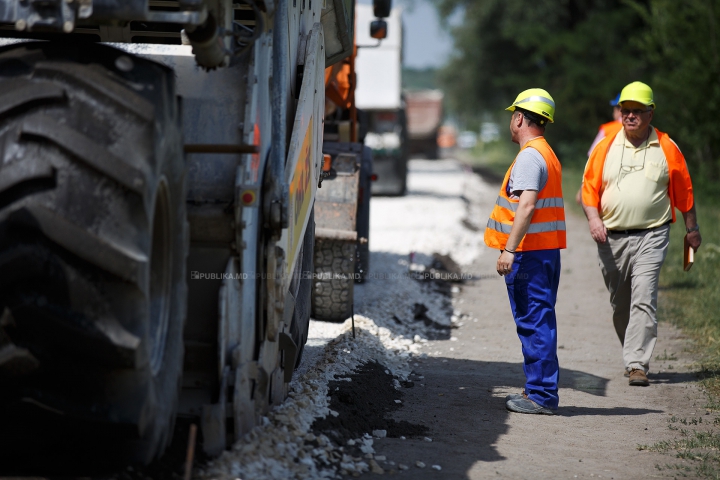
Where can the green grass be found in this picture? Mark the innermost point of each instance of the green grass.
(490, 159)
(691, 300)
(699, 448)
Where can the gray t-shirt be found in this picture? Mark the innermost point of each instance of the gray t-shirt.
(529, 172)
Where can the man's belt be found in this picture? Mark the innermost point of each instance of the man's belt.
(637, 230)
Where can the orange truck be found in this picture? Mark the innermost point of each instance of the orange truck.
(424, 116)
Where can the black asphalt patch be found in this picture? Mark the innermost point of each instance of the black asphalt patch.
(364, 404)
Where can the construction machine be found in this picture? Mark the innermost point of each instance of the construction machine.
(342, 208)
(158, 182)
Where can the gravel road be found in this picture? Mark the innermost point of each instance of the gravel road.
(601, 419)
(454, 353)
(396, 313)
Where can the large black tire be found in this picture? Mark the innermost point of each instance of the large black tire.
(303, 294)
(332, 299)
(93, 247)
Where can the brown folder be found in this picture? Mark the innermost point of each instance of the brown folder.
(689, 257)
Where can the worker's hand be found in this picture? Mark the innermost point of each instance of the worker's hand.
(694, 239)
(597, 230)
(504, 263)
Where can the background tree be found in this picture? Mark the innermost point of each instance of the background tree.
(680, 42)
(582, 51)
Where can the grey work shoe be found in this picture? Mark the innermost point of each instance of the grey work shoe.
(515, 396)
(638, 378)
(525, 405)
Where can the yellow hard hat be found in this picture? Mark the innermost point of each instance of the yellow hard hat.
(637, 92)
(535, 100)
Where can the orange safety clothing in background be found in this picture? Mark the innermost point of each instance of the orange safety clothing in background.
(606, 130)
(547, 226)
(338, 84)
(679, 185)
(611, 128)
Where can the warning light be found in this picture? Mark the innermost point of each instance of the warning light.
(248, 198)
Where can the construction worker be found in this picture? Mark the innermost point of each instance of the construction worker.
(633, 182)
(527, 225)
(605, 130)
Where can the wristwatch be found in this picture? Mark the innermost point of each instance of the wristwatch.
(693, 229)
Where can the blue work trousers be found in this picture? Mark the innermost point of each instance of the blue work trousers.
(532, 287)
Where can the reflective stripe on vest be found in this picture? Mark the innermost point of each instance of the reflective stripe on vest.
(541, 227)
(552, 202)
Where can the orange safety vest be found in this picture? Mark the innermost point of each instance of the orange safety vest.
(679, 187)
(611, 128)
(547, 226)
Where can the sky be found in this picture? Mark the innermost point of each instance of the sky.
(426, 43)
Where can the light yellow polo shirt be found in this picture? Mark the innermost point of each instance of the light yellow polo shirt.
(635, 185)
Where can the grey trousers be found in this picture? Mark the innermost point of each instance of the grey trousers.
(630, 265)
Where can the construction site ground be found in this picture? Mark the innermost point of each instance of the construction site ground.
(418, 391)
(459, 388)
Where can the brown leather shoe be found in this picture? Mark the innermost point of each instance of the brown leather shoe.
(638, 378)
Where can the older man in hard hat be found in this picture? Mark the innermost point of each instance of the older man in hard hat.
(633, 182)
(527, 225)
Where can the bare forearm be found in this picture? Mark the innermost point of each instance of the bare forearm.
(597, 228)
(523, 216)
(591, 213)
(690, 218)
(694, 238)
(521, 223)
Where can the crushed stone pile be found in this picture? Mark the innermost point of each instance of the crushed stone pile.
(309, 436)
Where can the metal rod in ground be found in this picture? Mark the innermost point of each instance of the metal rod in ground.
(190, 452)
(353, 320)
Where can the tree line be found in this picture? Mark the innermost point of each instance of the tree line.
(583, 52)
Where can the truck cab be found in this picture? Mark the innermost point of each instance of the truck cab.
(380, 102)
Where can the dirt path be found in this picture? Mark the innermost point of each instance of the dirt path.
(459, 393)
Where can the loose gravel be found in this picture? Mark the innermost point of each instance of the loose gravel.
(396, 312)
